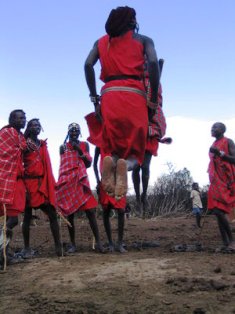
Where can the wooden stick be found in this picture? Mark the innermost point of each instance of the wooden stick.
(5, 237)
(93, 243)
(63, 218)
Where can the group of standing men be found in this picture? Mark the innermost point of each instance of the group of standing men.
(118, 129)
(124, 118)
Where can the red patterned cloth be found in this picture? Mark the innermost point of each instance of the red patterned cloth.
(12, 189)
(73, 191)
(39, 179)
(157, 126)
(124, 113)
(221, 193)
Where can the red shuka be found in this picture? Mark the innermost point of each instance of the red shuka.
(39, 179)
(73, 191)
(221, 193)
(12, 189)
(124, 113)
(107, 201)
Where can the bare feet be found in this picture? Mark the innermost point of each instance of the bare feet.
(121, 179)
(108, 176)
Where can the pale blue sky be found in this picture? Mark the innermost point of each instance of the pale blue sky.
(44, 43)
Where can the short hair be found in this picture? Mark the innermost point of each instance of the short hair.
(13, 114)
(120, 20)
(27, 131)
(222, 126)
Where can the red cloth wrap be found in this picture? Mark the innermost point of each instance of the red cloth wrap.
(73, 191)
(95, 129)
(107, 201)
(39, 190)
(152, 145)
(124, 127)
(12, 189)
(221, 193)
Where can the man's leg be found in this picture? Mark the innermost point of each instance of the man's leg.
(136, 183)
(107, 227)
(145, 179)
(94, 227)
(121, 222)
(224, 226)
(51, 212)
(11, 223)
(72, 248)
(26, 227)
(71, 229)
(198, 220)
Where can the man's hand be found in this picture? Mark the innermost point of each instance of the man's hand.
(98, 188)
(216, 151)
(62, 149)
(77, 148)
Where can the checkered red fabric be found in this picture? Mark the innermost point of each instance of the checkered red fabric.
(157, 126)
(73, 188)
(12, 145)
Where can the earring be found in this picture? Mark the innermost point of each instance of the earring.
(137, 27)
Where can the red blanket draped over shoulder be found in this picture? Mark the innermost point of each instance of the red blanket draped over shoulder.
(39, 179)
(221, 193)
(157, 126)
(73, 191)
(124, 113)
(12, 189)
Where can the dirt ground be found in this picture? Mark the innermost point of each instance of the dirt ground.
(144, 280)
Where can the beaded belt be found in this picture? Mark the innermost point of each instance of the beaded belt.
(123, 89)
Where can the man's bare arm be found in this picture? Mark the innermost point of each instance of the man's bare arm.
(89, 69)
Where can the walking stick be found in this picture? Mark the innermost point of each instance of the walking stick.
(62, 217)
(5, 238)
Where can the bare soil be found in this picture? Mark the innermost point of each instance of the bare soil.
(144, 280)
